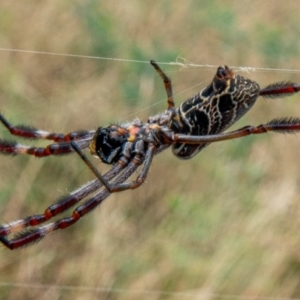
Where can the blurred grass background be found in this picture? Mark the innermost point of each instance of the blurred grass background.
(224, 223)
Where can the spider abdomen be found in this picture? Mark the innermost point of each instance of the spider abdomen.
(215, 109)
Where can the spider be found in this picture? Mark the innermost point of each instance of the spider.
(199, 121)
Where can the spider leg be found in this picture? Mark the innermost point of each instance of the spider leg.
(60, 148)
(14, 148)
(167, 84)
(61, 205)
(137, 159)
(141, 177)
(280, 89)
(283, 125)
(35, 234)
(25, 131)
(91, 166)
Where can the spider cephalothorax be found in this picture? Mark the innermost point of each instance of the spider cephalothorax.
(198, 122)
(112, 143)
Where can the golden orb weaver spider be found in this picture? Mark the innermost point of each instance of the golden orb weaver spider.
(199, 121)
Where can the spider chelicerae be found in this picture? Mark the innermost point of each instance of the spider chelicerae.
(199, 121)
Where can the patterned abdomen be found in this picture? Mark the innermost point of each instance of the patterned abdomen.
(214, 109)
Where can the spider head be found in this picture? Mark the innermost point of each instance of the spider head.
(107, 143)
